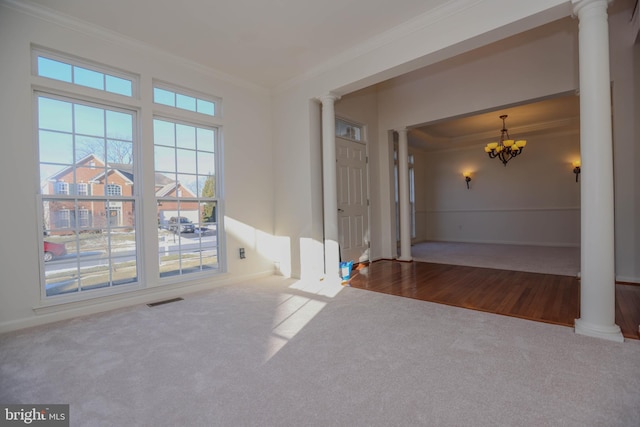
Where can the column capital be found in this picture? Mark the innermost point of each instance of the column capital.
(328, 98)
(579, 5)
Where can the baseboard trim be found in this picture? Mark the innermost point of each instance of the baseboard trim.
(624, 280)
(66, 311)
(502, 242)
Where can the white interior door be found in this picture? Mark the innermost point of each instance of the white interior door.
(353, 203)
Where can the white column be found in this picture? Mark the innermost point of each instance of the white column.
(597, 263)
(403, 199)
(330, 191)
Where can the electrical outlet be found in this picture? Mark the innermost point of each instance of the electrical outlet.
(242, 254)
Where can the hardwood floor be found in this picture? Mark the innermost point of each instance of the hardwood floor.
(534, 296)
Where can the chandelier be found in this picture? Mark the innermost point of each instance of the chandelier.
(507, 148)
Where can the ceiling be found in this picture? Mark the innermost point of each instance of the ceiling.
(559, 114)
(270, 42)
(267, 42)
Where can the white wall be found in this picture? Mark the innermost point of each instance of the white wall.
(538, 63)
(248, 165)
(456, 28)
(534, 200)
(625, 76)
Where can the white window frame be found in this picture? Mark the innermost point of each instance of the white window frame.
(73, 61)
(87, 95)
(177, 90)
(217, 200)
(74, 225)
(353, 131)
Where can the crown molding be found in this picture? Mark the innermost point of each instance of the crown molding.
(80, 26)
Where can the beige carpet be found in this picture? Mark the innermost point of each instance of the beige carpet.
(562, 261)
(276, 353)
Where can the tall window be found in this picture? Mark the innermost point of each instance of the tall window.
(185, 164)
(412, 192)
(89, 199)
(99, 252)
(412, 195)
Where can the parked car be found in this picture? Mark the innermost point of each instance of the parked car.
(53, 250)
(180, 224)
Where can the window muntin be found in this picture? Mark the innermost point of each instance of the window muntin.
(67, 70)
(185, 101)
(85, 153)
(185, 166)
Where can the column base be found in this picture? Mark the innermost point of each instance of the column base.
(405, 259)
(611, 333)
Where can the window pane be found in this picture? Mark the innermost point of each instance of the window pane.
(89, 78)
(161, 96)
(56, 147)
(187, 233)
(89, 120)
(119, 125)
(188, 186)
(89, 255)
(46, 172)
(54, 114)
(124, 270)
(185, 102)
(206, 107)
(82, 76)
(87, 146)
(165, 159)
(206, 139)
(164, 133)
(186, 161)
(206, 163)
(87, 175)
(185, 136)
(119, 86)
(54, 69)
(120, 153)
(207, 186)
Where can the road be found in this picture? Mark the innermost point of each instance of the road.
(190, 243)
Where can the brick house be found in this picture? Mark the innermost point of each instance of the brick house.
(94, 177)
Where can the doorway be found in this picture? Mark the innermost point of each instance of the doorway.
(353, 193)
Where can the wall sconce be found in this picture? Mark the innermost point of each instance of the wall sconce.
(467, 178)
(576, 169)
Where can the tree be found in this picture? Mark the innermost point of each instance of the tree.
(209, 192)
(117, 151)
